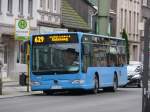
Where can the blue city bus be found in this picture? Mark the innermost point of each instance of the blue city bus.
(77, 61)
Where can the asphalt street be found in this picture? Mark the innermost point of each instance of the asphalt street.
(124, 100)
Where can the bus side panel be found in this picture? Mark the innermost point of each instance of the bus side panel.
(106, 75)
(90, 77)
(122, 75)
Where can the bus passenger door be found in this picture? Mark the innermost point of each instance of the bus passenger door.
(86, 61)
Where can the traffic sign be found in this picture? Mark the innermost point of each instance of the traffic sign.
(22, 29)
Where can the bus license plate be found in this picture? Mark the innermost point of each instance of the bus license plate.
(56, 87)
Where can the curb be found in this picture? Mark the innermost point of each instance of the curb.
(19, 95)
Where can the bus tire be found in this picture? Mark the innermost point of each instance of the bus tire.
(48, 92)
(115, 84)
(96, 85)
(114, 87)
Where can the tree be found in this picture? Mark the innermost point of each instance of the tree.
(125, 36)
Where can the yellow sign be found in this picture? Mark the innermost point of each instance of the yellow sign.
(59, 38)
(39, 39)
(54, 38)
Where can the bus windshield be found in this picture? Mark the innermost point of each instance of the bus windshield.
(58, 58)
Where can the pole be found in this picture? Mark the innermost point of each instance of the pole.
(1, 81)
(28, 69)
(1, 86)
(103, 16)
(145, 91)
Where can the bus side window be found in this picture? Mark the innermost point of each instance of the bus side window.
(121, 59)
(111, 60)
(85, 57)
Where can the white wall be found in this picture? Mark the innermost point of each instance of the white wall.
(10, 20)
(7, 23)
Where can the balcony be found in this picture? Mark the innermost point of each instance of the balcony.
(48, 18)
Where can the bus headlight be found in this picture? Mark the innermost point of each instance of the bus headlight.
(78, 81)
(35, 83)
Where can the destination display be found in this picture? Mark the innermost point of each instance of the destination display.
(54, 38)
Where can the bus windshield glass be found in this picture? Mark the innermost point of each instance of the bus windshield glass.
(56, 58)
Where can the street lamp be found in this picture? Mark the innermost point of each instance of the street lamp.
(146, 64)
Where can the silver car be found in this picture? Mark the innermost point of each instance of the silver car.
(135, 74)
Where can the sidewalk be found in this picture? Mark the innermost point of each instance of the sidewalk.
(13, 89)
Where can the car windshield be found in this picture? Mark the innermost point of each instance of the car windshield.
(55, 58)
(134, 68)
(131, 68)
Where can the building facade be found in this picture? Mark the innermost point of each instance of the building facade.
(128, 18)
(44, 16)
(112, 16)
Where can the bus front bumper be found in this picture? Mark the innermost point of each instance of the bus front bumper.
(60, 85)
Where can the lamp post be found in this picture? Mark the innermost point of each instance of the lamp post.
(1, 85)
(145, 78)
(103, 16)
(1, 82)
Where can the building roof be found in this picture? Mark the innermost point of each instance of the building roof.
(93, 2)
(71, 19)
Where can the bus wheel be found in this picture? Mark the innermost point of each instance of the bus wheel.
(96, 85)
(115, 84)
(48, 92)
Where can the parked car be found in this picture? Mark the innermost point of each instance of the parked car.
(134, 70)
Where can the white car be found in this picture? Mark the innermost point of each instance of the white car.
(134, 71)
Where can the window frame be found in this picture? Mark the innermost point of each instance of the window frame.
(0, 7)
(30, 8)
(21, 7)
(10, 6)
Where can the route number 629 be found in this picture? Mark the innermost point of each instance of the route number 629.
(39, 39)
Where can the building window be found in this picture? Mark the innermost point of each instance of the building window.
(54, 6)
(30, 8)
(21, 7)
(10, 6)
(5, 54)
(121, 20)
(0, 6)
(137, 22)
(145, 2)
(134, 25)
(43, 4)
(48, 4)
(130, 21)
(125, 20)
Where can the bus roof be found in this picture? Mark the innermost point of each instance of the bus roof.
(118, 38)
(81, 33)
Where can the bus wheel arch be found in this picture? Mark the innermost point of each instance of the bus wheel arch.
(95, 90)
(115, 82)
(97, 75)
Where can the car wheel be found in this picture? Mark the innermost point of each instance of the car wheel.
(139, 85)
